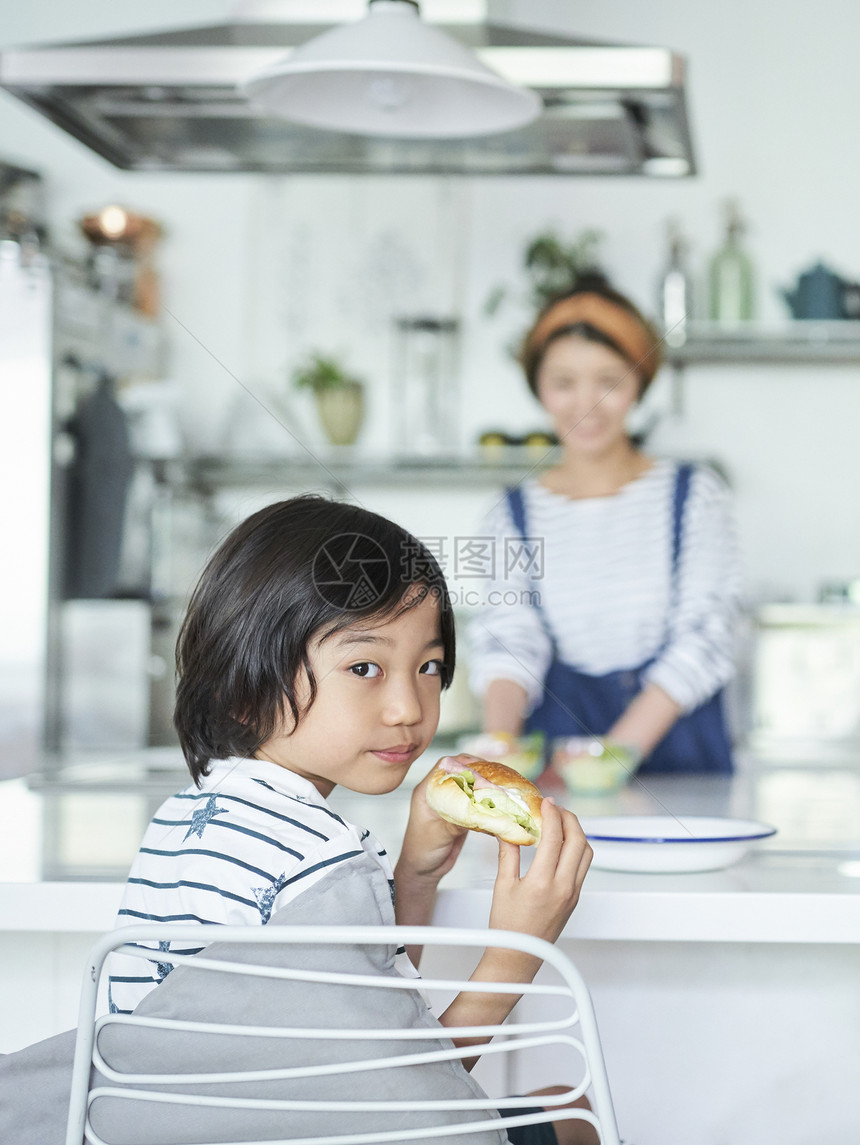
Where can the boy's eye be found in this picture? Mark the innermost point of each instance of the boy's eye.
(365, 670)
(432, 668)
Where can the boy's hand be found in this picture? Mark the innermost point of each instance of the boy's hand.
(430, 849)
(431, 844)
(541, 901)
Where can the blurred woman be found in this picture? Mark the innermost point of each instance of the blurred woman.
(617, 584)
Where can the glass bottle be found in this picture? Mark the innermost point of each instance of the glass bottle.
(425, 385)
(731, 275)
(675, 289)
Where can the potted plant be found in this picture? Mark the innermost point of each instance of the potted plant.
(552, 266)
(339, 396)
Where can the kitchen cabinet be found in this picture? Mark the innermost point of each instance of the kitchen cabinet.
(806, 681)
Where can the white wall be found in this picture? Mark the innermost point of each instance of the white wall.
(772, 103)
(256, 270)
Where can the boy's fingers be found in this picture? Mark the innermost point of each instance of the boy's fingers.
(563, 845)
(551, 837)
(509, 860)
(550, 815)
(585, 861)
(457, 844)
(581, 871)
(574, 836)
(577, 853)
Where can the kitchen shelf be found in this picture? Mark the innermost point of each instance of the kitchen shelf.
(795, 343)
(799, 343)
(343, 467)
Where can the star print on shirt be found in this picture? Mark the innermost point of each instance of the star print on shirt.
(265, 897)
(203, 817)
(162, 969)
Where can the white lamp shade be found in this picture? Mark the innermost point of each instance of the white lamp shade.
(391, 74)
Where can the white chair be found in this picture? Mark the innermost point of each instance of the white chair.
(570, 1035)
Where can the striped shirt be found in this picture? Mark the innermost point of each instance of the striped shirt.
(605, 588)
(232, 851)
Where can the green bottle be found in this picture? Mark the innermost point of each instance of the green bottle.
(731, 280)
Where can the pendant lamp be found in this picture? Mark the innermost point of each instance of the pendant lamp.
(391, 74)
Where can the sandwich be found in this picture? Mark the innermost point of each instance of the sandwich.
(487, 797)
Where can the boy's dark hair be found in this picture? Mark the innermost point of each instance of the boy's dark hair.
(287, 572)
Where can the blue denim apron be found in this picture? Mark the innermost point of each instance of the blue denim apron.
(575, 703)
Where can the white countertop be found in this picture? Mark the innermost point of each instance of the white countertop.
(64, 849)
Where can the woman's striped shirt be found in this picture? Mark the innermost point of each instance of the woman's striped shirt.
(605, 588)
(232, 851)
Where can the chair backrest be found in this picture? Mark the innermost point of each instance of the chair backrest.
(294, 1026)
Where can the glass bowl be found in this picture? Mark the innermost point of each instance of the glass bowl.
(587, 765)
(524, 754)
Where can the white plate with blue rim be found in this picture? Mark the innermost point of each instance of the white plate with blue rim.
(669, 843)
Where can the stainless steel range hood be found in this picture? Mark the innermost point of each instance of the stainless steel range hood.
(168, 102)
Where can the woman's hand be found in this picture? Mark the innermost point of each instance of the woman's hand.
(647, 719)
(505, 706)
(541, 901)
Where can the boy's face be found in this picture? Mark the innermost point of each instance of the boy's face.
(376, 707)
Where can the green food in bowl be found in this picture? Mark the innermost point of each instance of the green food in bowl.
(591, 765)
(524, 754)
(529, 762)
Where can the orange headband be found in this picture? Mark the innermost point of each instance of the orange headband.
(631, 334)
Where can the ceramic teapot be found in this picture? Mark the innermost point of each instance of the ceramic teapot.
(819, 293)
